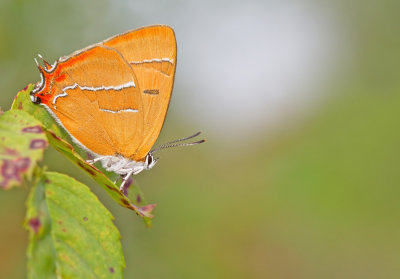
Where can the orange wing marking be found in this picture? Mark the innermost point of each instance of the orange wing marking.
(118, 111)
(118, 87)
(156, 64)
(153, 60)
(151, 91)
(75, 85)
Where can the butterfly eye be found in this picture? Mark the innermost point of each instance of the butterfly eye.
(35, 99)
(149, 159)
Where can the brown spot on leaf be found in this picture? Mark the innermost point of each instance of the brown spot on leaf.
(38, 144)
(127, 184)
(64, 229)
(138, 198)
(20, 106)
(22, 163)
(85, 218)
(35, 224)
(87, 168)
(53, 135)
(126, 203)
(10, 152)
(125, 191)
(12, 169)
(112, 188)
(59, 222)
(112, 269)
(33, 129)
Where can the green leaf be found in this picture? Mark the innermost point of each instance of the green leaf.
(23, 102)
(71, 233)
(62, 142)
(41, 252)
(22, 142)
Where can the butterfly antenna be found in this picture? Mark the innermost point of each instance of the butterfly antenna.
(37, 63)
(175, 143)
(183, 139)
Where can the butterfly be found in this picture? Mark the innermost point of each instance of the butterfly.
(112, 97)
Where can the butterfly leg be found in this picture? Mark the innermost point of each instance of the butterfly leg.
(121, 187)
(97, 159)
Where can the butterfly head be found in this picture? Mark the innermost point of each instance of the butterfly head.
(35, 99)
(150, 161)
(43, 89)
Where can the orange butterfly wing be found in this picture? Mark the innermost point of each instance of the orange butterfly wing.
(151, 51)
(86, 90)
(112, 97)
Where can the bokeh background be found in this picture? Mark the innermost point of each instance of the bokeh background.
(299, 102)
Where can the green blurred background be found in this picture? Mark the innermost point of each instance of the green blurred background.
(299, 102)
